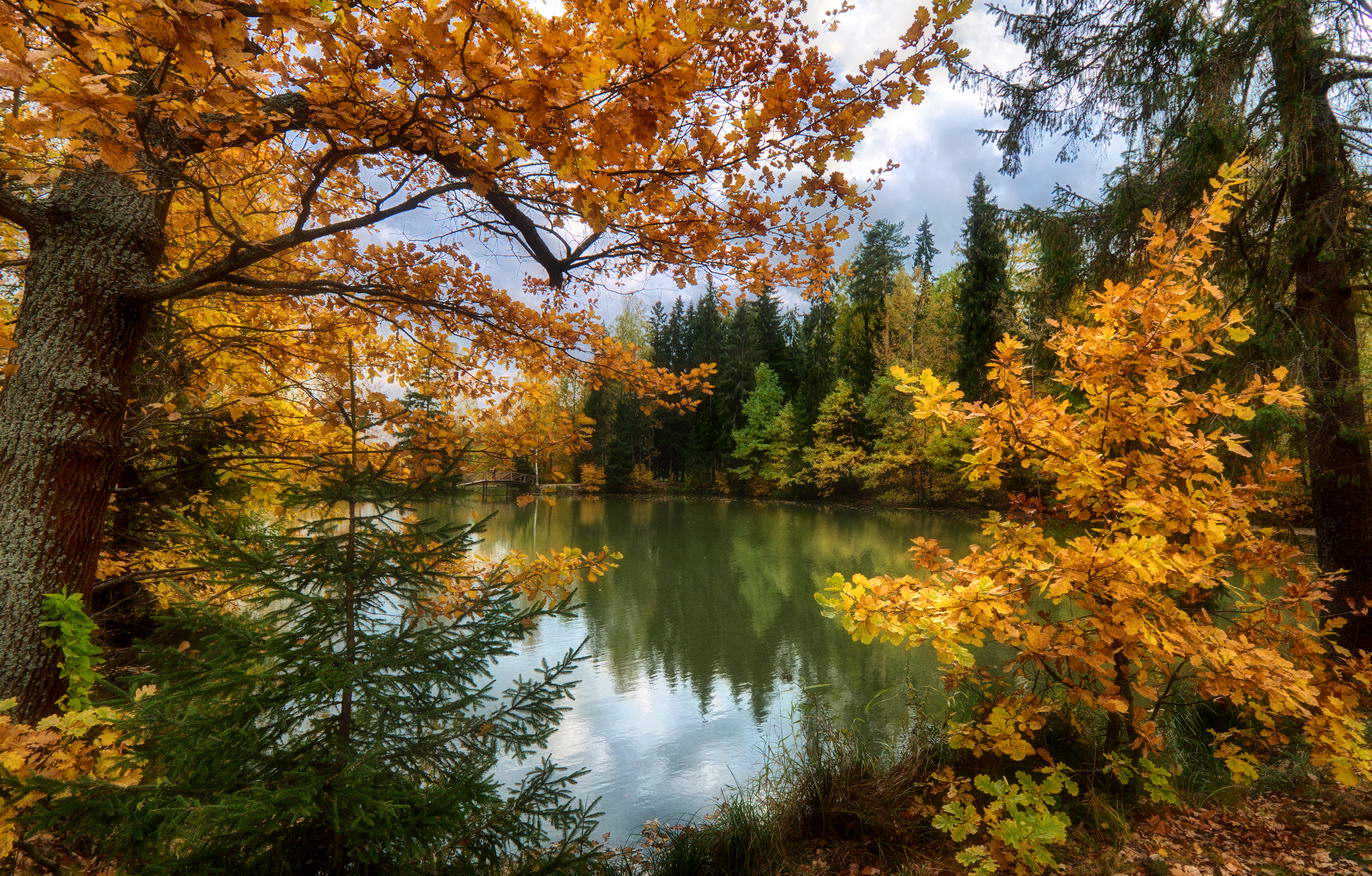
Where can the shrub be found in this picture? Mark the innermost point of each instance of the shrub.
(1167, 594)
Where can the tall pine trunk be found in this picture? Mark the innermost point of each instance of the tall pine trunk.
(1336, 421)
(93, 241)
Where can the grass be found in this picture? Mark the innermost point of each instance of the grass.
(837, 799)
(837, 789)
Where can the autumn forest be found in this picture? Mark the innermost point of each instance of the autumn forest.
(473, 437)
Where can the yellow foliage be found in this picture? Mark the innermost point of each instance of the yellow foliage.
(641, 478)
(1162, 589)
(64, 747)
(550, 577)
(592, 477)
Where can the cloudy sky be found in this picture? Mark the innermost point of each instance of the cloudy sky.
(936, 142)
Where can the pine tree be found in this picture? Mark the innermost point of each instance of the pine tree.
(329, 707)
(923, 258)
(874, 270)
(982, 288)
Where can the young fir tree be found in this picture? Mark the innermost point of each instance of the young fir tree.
(982, 288)
(330, 708)
(753, 440)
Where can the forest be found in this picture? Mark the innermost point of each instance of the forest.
(287, 287)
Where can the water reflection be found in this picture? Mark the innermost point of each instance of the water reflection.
(703, 639)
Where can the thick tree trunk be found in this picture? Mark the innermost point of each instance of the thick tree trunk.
(1336, 421)
(62, 412)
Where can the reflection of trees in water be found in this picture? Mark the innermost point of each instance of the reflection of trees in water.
(724, 590)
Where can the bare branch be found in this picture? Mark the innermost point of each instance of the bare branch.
(506, 206)
(246, 255)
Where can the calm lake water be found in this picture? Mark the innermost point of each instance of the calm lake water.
(702, 642)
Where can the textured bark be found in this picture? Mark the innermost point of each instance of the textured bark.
(1336, 421)
(62, 413)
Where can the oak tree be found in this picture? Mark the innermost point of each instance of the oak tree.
(254, 152)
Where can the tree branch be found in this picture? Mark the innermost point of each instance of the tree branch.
(19, 211)
(239, 285)
(529, 236)
(246, 255)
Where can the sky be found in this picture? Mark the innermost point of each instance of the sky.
(936, 142)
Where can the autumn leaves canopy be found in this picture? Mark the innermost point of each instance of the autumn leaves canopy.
(242, 183)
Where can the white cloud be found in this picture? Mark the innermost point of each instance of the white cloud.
(936, 142)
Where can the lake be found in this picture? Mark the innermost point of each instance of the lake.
(701, 644)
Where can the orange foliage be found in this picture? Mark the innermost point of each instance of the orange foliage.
(284, 128)
(1169, 593)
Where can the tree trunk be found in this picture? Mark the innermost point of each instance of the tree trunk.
(1336, 421)
(62, 412)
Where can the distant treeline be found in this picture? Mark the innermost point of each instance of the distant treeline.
(803, 403)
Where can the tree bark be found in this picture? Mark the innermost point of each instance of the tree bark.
(95, 239)
(1336, 421)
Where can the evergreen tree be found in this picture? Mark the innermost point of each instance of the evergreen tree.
(816, 371)
(657, 335)
(923, 258)
(838, 446)
(330, 708)
(982, 289)
(602, 406)
(874, 270)
(671, 428)
(678, 348)
(753, 440)
(769, 329)
(629, 442)
(708, 442)
(737, 362)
